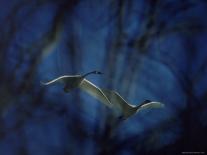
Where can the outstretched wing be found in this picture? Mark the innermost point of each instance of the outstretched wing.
(96, 92)
(121, 105)
(150, 105)
(116, 99)
(61, 79)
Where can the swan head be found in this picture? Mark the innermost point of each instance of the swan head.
(97, 72)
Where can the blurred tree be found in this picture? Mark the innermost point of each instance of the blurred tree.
(147, 49)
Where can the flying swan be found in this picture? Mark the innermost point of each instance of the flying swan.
(110, 98)
(124, 108)
(71, 82)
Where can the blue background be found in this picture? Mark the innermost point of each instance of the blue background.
(147, 49)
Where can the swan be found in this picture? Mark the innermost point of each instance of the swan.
(125, 109)
(70, 81)
(78, 81)
(113, 100)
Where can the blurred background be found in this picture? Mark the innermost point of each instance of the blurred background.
(147, 49)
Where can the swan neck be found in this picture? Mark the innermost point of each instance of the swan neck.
(93, 72)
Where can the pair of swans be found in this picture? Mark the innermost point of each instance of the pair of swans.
(110, 98)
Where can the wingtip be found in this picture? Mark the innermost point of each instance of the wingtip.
(161, 105)
(43, 83)
(151, 105)
(157, 102)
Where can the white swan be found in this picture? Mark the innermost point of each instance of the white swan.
(70, 81)
(78, 81)
(125, 109)
(113, 100)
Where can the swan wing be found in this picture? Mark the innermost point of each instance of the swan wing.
(150, 105)
(121, 105)
(116, 99)
(61, 79)
(96, 92)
